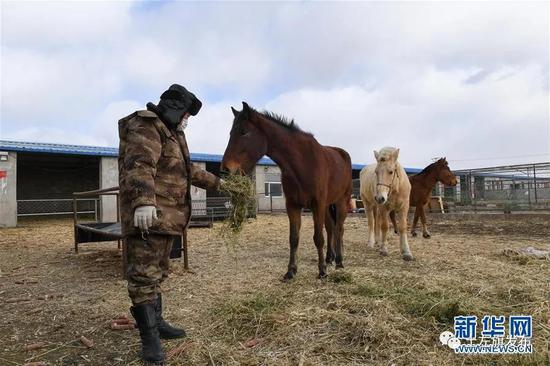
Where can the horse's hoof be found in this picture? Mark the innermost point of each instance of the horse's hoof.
(288, 276)
(322, 275)
(328, 262)
(384, 253)
(370, 245)
(408, 257)
(426, 235)
(339, 265)
(413, 233)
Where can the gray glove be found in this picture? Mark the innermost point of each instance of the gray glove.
(144, 216)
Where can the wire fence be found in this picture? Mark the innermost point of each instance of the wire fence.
(63, 206)
(506, 189)
(212, 208)
(524, 187)
(509, 188)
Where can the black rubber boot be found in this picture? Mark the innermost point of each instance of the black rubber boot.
(146, 320)
(166, 331)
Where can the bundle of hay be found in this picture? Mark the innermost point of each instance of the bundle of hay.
(240, 189)
(528, 252)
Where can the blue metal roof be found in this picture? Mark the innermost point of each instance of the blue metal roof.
(39, 147)
(47, 148)
(408, 170)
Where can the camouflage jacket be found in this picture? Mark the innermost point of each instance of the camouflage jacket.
(155, 169)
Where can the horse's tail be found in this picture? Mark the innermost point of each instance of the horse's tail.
(335, 229)
(332, 211)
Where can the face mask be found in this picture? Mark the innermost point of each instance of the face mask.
(171, 117)
(184, 123)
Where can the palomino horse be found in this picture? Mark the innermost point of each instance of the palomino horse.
(422, 185)
(312, 175)
(384, 188)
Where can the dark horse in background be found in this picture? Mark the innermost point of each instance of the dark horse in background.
(312, 175)
(422, 185)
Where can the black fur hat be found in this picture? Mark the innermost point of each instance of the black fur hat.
(174, 103)
(178, 97)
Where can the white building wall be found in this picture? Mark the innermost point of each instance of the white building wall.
(8, 189)
(108, 178)
(265, 203)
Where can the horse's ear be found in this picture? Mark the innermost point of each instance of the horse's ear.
(246, 110)
(396, 154)
(235, 112)
(376, 155)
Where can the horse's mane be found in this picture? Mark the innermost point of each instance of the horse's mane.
(432, 166)
(278, 119)
(284, 122)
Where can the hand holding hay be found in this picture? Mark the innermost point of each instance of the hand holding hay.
(240, 189)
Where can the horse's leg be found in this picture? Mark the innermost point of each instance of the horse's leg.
(376, 214)
(403, 241)
(295, 220)
(373, 236)
(384, 225)
(329, 227)
(319, 212)
(415, 220)
(392, 217)
(425, 232)
(370, 222)
(341, 214)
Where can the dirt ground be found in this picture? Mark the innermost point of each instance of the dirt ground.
(237, 311)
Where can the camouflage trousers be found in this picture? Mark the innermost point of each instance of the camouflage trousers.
(148, 265)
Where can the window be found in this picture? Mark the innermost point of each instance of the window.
(273, 189)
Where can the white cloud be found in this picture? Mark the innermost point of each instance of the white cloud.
(208, 132)
(471, 78)
(60, 23)
(59, 88)
(52, 135)
(105, 125)
(435, 114)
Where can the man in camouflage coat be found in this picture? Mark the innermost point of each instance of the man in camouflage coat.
(155, 177)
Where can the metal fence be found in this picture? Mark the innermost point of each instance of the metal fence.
(63, 206)
(524, 187)
(213, 208)
(503, 188)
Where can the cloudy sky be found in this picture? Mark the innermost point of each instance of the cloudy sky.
(469, 81)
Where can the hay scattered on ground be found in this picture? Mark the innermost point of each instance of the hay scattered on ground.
(528, 252)
(377, 311)
(240, 189)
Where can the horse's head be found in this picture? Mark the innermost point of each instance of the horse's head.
(444, 174)
(247, 143)
(386, 172)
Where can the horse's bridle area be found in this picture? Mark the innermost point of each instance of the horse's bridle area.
(390, 186)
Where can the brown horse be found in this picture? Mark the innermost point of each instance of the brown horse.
(312, 175)
(422, 185)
